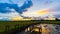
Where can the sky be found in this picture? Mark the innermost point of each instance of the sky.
(15, 9)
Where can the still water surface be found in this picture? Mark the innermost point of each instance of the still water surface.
(42, 29)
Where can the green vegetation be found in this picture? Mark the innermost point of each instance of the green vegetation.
(12, 24)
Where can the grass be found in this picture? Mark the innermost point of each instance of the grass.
(12, 24)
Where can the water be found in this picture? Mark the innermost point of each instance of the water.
(44, 29)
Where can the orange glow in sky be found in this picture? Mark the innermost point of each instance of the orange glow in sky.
(44, 11)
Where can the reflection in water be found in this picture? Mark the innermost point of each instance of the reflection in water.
(27, 29)
(42, 29)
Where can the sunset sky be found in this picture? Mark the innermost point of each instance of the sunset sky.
(34, 9)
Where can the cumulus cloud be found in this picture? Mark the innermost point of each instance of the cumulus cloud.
(26, 4)
(13, 11)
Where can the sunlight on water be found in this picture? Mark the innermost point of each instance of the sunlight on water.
(43, 29)
(36, 29)
(27, 29)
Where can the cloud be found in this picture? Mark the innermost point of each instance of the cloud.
(3, 7)
(10, 16)
(13, 11)
(52, 6)
(56, 8)
(42, 12)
